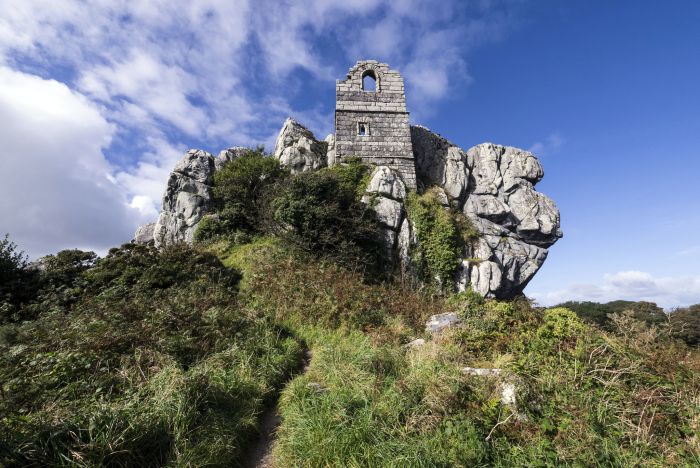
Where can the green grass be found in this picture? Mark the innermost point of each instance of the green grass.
(382, 405)
(586, 397)
(168, 360)
(135, 375)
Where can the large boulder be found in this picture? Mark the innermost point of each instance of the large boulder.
(330, 150)
(228, 155)
(504, 193)
(298, 149)
(385, 195)
(493, 186)
(440, 162)
(144, 234)
(515, 222)
(187, 198)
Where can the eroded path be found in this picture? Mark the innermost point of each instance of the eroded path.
(260, 455)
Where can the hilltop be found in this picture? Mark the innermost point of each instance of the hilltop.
(169, 356)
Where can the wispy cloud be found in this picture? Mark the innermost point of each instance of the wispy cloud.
(550, 145)
(631, 285)
(689, 252)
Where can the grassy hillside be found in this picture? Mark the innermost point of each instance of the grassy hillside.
(152, 361)
(149, 358)
(585, 396)
(174, 372)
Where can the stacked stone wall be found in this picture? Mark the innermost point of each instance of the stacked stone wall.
(388, 140)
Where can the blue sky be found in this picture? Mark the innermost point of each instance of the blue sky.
(98, 103)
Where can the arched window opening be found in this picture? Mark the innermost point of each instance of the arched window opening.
(369, 81)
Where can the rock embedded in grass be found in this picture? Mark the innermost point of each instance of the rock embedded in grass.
(439, 322)
(508, 387)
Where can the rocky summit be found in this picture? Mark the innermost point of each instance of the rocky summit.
(492, 185)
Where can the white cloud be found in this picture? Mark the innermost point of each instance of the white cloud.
(432, 69)
(159, 90)
(147, 180)
(631, 285)
(549, 145)
(160, 74)
(57, 190)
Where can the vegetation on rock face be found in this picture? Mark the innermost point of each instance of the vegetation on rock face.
(319, 212)
(239, 194)
(441, 245)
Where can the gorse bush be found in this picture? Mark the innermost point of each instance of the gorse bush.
(238, 194)
(321, 214)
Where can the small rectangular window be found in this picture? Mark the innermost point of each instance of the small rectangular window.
(362, 128)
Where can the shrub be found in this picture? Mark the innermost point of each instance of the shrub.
(238, 190)
(594, 312)
(153, 364)
(57, 282)
(320, 213)
(144, 268)
(353, 175)
(685, 324)
(298, 288)
(18, 282)
(12, 262)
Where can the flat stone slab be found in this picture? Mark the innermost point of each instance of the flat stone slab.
(482, 371)
(440, 321)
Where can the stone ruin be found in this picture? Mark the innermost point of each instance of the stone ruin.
(372, 123)
(492, 185)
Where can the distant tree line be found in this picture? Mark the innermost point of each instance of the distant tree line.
(683, 323)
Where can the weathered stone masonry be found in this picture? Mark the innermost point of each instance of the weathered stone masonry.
(374, 124)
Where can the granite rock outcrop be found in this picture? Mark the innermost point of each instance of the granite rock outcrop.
(492, 185)
(298, 149)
